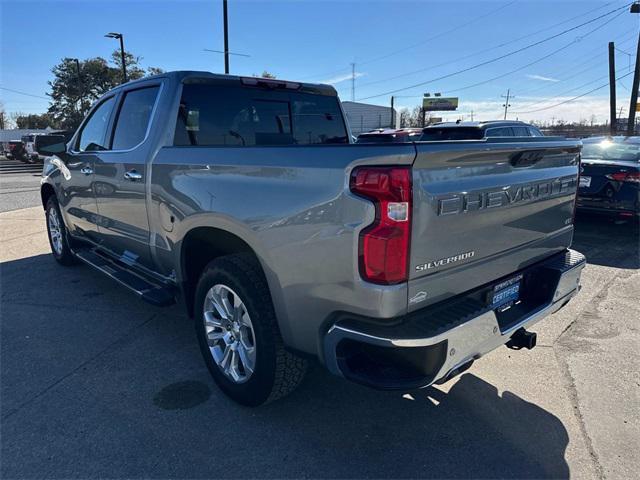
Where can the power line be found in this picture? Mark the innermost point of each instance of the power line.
(574, 98)
(483, 51)
(564, 47)
(495, 59)
(441, 34)
(24, 93)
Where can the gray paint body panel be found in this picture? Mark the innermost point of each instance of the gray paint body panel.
(293, 207)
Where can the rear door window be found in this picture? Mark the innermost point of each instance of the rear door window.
(133, 118)
(214, 115)
(499, 132)
(520, 131)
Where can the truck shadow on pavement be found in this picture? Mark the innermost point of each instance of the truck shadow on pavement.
(607, 243)
(96, 383)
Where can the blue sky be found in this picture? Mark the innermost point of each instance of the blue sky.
(318, 40)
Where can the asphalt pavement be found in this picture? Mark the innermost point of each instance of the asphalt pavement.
(95, 383)
(19, 184)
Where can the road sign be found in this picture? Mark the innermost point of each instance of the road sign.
(439, 104)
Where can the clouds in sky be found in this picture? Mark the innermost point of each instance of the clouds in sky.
(342, 78)
(542, 78)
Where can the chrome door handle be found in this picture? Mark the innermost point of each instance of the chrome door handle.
(86, 170)
(133, 175)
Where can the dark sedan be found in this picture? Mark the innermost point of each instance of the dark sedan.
(610, 176)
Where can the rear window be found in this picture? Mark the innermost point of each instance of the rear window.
(451, 133)
(211, 115)
(608, 150)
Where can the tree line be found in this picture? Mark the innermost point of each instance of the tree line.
(76, 84)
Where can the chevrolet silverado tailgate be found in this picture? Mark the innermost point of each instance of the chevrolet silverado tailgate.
(484, 209)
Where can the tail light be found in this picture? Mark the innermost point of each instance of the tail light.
(384, 245)
(632, 177)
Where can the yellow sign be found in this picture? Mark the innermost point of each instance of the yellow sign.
(439, 104)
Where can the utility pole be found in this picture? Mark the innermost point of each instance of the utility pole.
(353, 82)
(631, 125)
(393, 124)
(612, 89)
(472, 115)
(506, 104)
(226, 36)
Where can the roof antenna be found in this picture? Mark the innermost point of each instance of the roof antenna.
(458, 121)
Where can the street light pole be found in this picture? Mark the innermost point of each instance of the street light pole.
(80, 85)
(226, 36)
(120, 37)
(633, 105)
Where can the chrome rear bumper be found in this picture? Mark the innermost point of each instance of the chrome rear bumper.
(429, 345)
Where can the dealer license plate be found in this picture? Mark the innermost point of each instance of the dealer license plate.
(505, 293)
(585, 182)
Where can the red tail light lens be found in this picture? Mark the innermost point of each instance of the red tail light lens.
(384, 245)
(633, 177)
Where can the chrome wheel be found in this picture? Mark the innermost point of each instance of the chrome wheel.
(55, 231)
(229, 333)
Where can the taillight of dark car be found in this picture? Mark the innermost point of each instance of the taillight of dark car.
(384, 245)
(630, 177)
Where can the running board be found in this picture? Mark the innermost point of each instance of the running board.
(145, 288)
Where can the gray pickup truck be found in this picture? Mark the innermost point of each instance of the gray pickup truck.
(396, 265)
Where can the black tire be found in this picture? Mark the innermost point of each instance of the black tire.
(277, 372)
(63, 253)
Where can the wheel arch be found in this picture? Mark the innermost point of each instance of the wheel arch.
(46, 192)
(202, 245)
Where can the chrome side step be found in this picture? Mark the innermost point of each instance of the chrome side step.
(144, 287)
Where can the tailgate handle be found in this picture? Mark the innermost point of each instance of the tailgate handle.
(526, 158)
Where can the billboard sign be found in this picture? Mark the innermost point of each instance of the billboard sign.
(439, 104)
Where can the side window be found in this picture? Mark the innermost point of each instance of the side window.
(93, 135)
(244, 116)
(520, 131)
(133, 118)
(534, 132)
(317, 119)
(499, 132)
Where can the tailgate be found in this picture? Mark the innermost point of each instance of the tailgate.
(483, 209)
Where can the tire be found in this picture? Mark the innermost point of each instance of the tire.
(271, 371)
(58, 240)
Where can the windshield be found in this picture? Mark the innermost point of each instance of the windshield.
(610, 150)
(451, 133)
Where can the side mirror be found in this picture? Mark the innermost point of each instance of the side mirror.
(55, 149)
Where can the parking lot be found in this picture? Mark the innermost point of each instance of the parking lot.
(96, 383)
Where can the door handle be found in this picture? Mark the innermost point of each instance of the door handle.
(86, 170)
(133, 175)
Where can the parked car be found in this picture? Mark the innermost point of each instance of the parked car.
(246, 198)
(14, 149)
(390, 135)
(610, 177)
(479, 130)
(33, 142)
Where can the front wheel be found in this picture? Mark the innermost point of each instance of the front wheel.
(57, 234)
(238, 333)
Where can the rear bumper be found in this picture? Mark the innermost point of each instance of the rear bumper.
(434, 344)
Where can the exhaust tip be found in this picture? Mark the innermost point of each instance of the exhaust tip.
(522, 339)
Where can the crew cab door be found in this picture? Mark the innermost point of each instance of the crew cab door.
(77, 199)
(120, 178)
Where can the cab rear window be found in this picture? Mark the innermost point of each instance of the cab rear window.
(243, 116)
(451, 133)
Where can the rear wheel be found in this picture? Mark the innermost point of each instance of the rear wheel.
(57, 234)
(238, 333)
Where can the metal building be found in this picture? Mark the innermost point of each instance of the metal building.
(364, 117)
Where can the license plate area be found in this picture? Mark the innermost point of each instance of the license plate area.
(503, 295)
(585, 182)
